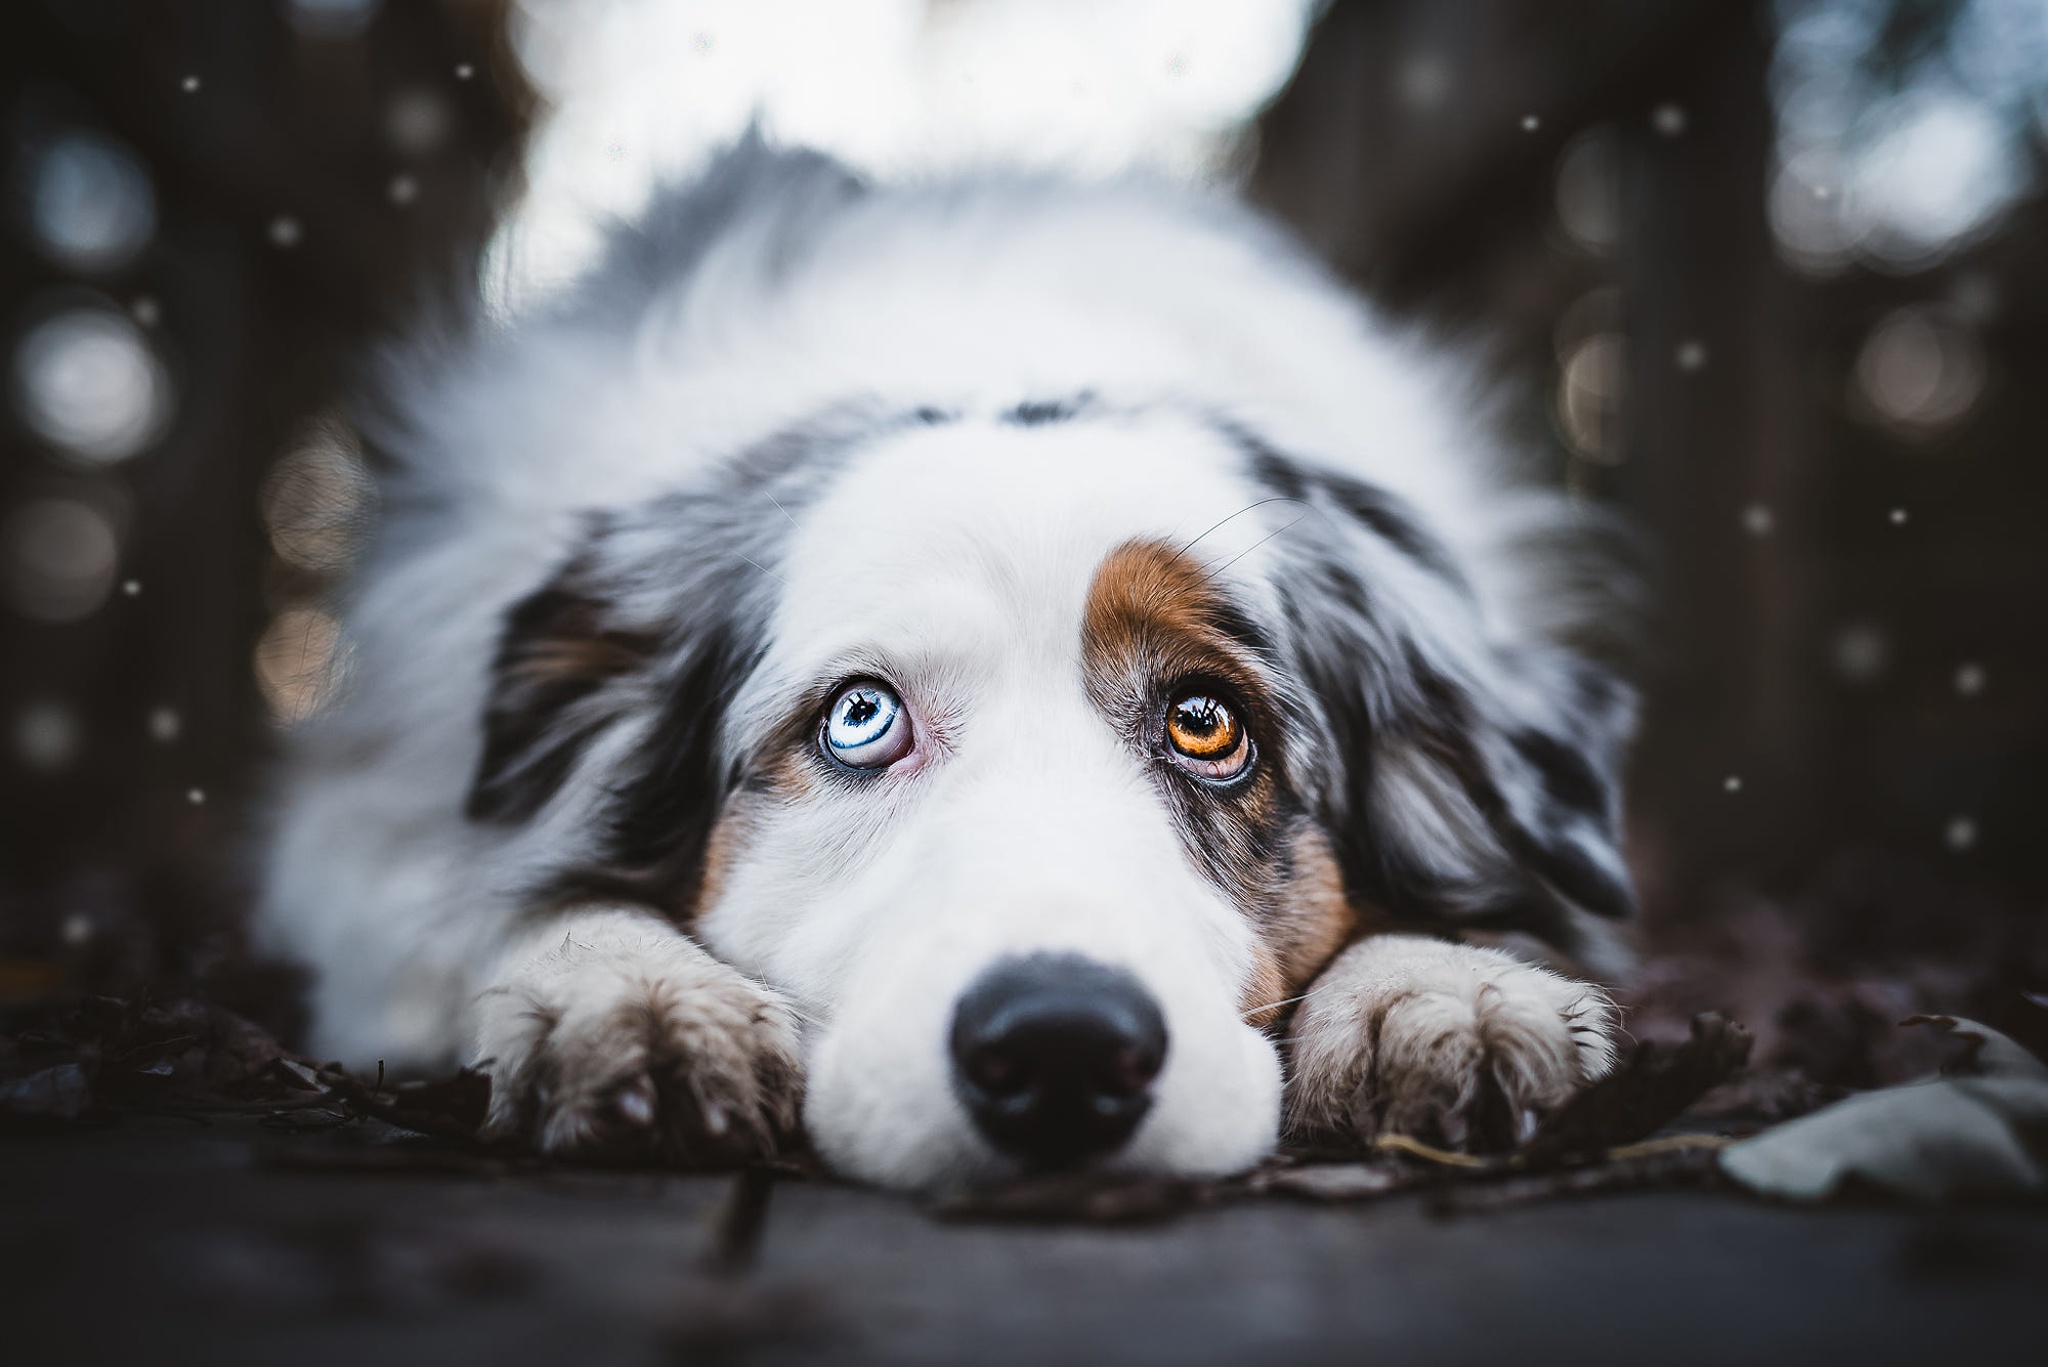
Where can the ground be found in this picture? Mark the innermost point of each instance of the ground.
(165, 1240)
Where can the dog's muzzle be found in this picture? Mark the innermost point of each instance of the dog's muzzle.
(1054, 1057)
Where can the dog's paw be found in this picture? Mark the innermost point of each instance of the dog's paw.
(1451, 1044)
(622, 1040)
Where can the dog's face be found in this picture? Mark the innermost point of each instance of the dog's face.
(1042, 758)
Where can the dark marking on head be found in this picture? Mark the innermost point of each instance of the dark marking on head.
(1042, 412)
(1380, 512)
(660, 817)
(1568, 777)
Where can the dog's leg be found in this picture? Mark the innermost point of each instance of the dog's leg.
(609, 1033)
(1445, 1042)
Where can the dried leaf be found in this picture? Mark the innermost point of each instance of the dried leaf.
(1932, 1140)
(1990, 1053)
(447, 1108)
(1646, 1093)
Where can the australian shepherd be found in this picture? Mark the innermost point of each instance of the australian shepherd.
(993, 676)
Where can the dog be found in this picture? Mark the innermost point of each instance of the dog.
(993, 677)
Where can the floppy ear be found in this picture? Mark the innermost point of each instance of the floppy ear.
(1485, 799)
(1464, 784)
(609, 693)
(551, 693)
(568, 672)
(1495, 800)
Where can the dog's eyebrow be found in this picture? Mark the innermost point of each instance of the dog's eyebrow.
(1385, 514)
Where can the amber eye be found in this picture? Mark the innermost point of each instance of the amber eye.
(1205, 737)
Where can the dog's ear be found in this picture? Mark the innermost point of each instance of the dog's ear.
(1466, 784)
(553, 689)
(1482, 800)
(608, 699)
(1494, 799)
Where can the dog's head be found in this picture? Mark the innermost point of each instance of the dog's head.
(1043, 757)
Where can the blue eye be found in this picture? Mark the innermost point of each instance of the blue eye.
(867, 728)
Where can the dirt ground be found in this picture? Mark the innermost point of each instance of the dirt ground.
(165, 1240)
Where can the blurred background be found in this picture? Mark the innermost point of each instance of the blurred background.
(1769, 278)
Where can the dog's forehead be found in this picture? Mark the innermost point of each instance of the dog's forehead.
(986, 536)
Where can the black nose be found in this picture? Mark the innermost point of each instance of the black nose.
(1054, 1056)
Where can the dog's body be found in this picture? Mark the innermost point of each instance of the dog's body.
(963, 663)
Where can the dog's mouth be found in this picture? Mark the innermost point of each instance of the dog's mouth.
(1054, 1057)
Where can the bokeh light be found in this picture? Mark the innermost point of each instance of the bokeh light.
(1589, 191)
(60, 558)
(47, 735)
(91, 204)
(1938, 171)
(1901, 168)
(294, 662)
(1423, 81)
(1861, 652)
(417, 122)
(87, 382)
(1592, 356)
(1919, 372)
(317, 500)
(1589, 395)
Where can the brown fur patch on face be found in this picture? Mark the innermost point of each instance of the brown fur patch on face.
(1156, 627)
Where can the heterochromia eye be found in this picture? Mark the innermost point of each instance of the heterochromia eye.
(1204, 737)
(867, 728)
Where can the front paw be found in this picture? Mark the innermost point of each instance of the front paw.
(627, 1042)
(1451, 1044)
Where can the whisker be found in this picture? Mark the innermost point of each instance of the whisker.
(1218, 569)
(1277, 498)
(780, 509)
(763, 568)
(1285, 1001)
